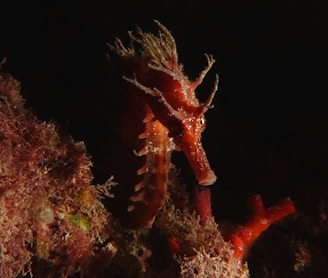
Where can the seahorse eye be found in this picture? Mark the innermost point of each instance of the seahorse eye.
(175, 128)
(202, 120)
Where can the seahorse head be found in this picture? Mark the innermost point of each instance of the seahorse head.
(175, 104)
(185, 127)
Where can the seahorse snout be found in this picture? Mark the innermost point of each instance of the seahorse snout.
(208, 178)
(196, 156)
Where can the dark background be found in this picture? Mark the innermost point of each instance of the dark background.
(268, 132)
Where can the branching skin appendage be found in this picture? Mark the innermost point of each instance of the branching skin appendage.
(171, 119)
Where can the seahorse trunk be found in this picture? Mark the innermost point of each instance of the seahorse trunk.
(151, 191)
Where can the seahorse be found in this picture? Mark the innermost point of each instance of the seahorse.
(163, 114)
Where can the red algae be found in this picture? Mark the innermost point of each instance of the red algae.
(49, 210)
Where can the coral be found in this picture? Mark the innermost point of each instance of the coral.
(202, 202)
(49, 209)
(261, 219)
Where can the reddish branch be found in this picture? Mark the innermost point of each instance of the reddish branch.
(202, 202)
(242, 238)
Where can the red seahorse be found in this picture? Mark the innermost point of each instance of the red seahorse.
(162, 114)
